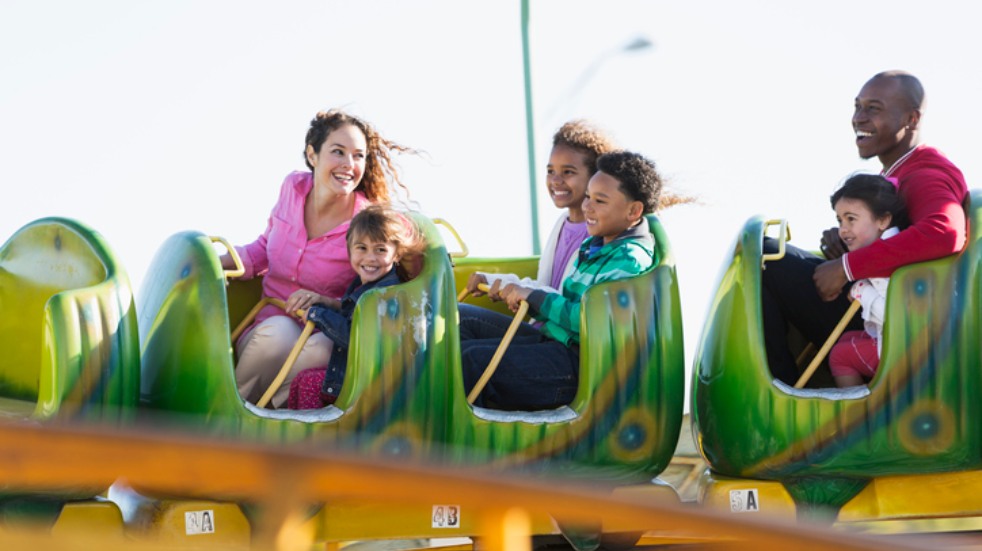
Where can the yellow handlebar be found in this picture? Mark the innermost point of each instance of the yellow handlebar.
(239, 270)
(523, 309)
(463, 246)
(464, 292)
(783, 238)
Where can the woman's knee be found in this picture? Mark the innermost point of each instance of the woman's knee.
(316, 352)
(271, 337)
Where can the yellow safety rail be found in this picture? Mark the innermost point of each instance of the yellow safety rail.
(784, 235)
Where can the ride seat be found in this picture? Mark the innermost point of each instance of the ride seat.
(64, 325)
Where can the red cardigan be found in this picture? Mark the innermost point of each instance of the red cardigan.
(934, 191)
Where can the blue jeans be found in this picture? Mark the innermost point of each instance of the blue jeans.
(536, 372)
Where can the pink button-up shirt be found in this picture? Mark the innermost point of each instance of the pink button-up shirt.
(288, 260)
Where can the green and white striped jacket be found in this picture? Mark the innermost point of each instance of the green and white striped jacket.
(630, 254)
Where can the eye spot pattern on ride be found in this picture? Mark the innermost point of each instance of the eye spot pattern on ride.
(623, 299)
(634, 437)
(928, 428)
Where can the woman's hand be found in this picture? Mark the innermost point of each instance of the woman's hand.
(301, 300)
(227, 262)
(514, 295)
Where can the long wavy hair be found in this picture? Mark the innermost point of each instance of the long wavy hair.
(381, 175)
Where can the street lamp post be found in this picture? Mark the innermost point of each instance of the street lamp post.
(638, 44)
(530, 128)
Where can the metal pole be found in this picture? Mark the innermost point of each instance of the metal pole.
(530, 128)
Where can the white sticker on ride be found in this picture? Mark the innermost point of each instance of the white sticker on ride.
(199, 522)
(744, 501)
(446, 516)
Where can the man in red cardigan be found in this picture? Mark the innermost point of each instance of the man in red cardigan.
(806, 290)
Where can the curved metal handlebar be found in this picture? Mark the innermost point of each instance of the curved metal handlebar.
(464, 293)
(783, 238)
(463, 246)
(308, 329)
(239, 270)
(523, 309)
(829, 342)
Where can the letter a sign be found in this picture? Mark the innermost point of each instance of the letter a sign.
(744, 501)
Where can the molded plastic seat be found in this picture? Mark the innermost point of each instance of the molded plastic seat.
(395, 363)
(920, 415)
(67, 326)
(624, 422)
(68, 333)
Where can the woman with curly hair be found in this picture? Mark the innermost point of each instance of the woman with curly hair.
(302, 254)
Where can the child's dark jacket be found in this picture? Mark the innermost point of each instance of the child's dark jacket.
(336, 325)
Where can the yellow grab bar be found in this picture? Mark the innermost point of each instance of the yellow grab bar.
(783, 238)
(239, 270)
(463, 246)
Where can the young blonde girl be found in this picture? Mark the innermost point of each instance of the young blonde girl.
(377, 240)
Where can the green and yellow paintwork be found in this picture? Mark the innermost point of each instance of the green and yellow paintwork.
(403, 394)
(921, 413)
(628, 407)
(70, 349)
(67, 326)
(393, 399)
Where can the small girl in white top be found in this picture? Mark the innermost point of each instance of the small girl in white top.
(868, 208)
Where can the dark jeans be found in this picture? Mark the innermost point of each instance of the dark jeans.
(536, 372)
(481, 323)
(788, 296)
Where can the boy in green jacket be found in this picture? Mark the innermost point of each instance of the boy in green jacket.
(540, 369)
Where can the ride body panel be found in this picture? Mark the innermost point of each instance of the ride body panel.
(922, 407)
(391, 393)
(68, 330)
(624, 422)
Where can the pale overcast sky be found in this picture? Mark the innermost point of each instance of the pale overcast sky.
(143, 119)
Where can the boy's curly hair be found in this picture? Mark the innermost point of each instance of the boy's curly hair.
(637, 175)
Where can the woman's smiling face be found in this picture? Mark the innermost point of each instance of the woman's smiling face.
(340, 163)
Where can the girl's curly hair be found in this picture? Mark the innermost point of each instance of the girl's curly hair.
(586, 138)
